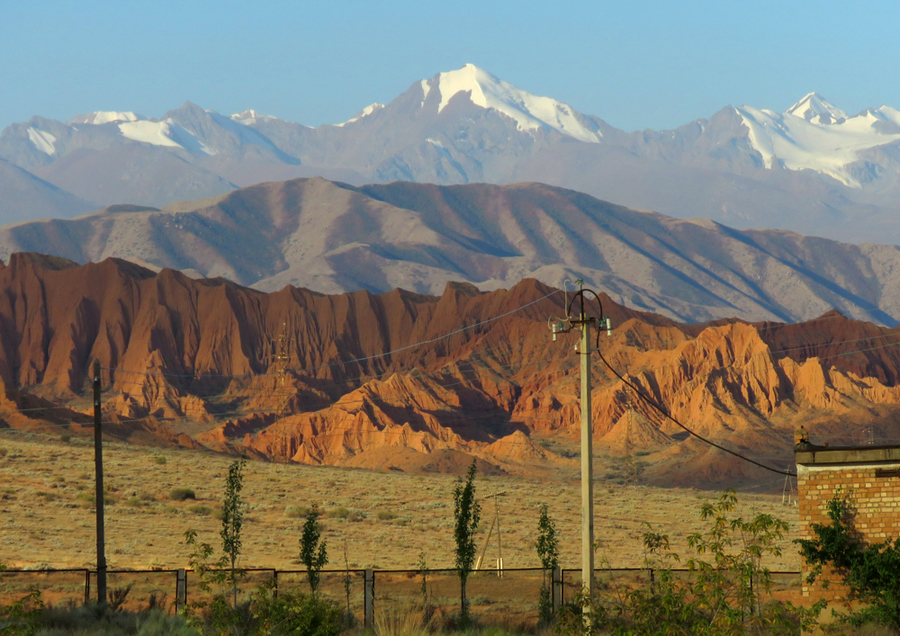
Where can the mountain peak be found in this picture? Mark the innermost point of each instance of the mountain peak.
(816, 109)
(530, 112)
(365, 112)
(105, 117)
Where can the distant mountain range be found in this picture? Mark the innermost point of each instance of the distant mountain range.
(332, 237)
(813, 169)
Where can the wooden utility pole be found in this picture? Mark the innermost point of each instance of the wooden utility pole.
(487, 541)
(98, 480)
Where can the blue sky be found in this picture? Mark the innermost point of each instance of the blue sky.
(636, 64)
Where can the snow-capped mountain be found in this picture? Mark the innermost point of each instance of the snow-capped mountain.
(815, 135)
(812, 168)
(530, 112)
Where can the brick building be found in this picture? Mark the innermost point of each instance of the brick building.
(869, 474)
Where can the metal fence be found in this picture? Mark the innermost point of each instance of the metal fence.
(493, 596)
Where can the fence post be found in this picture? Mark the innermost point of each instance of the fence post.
(369, 620)
(87, 587)
(275, 583)
(556, 589)
(180, 589)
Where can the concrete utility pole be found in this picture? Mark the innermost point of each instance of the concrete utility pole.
(587, 454)
(98, 480)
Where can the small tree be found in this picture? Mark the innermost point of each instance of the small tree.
(232, 522)
(313, 553)
(422, 569)
(467, 513)
(547, 545)
(721, 597)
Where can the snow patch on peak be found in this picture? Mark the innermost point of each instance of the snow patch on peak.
(42, 140)
(816, 109)
(365, 112)
(530, 112)
(426, 88)
(814, 135)
(105, 117)
(250, 116)
(163, 133)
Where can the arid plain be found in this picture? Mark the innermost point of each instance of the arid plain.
(385, 519)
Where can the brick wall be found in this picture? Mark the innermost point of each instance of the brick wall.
(877, 504)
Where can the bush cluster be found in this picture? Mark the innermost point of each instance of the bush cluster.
(182, 494)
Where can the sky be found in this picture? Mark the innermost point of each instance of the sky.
(637, 64)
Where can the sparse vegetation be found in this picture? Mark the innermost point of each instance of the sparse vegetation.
(547, 546)
(182, 494)
(200, 509)
(295, 512)
(466, 514)
(232, 522)
(871, 571)
(313, 550)
(722, 597)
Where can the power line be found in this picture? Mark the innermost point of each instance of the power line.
(662, 410)
(355, 360)
(461, 371)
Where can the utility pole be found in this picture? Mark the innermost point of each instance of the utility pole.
(98, 480)
(584, 322)
(280, 359)
(496, 522)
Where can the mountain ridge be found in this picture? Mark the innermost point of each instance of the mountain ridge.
(334, 237)
(742, 166)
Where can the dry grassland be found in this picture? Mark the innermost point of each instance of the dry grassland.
(385, 519)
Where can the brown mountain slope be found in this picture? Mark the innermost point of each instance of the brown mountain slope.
(420, 382)
(332, 237)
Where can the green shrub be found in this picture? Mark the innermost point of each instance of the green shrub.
(86, 499)
(723, 596)
(182, 494)
(871, 571)
(386, 515)
(295, 512)
(338, 513)
(296, 614)
(200, 509)
(159, 459)
(91, 619)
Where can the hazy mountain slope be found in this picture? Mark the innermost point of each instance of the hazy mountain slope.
(132, 175)
(26, 197)
(333, 237)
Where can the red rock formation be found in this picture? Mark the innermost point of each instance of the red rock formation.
(408, 381)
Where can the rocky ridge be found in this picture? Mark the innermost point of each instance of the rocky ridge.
(333, 238)
(415, 382)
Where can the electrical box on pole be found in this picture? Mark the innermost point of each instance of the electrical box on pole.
(583, 322)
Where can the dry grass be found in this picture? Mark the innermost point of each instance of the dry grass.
(47, 519)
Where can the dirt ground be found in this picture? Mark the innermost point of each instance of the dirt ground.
(372, 519)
